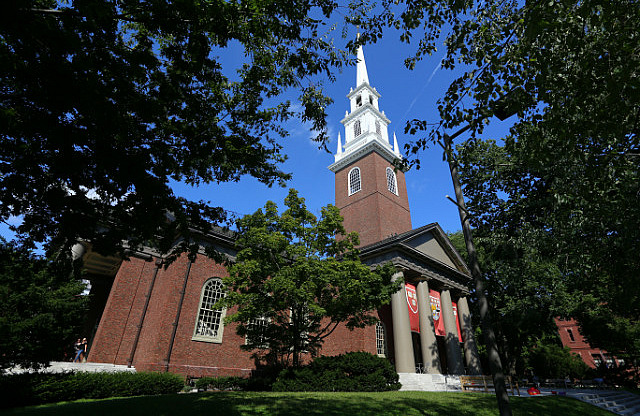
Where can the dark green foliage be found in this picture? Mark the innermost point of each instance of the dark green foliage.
(104, 102)
(556, 200)
(551, 360)
(36, 388)
(294, 273)
(525, 292)
(222, 383)
(354, 371)
(41, 307)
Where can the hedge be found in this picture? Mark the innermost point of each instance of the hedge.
(354, 371)
(37, 388)
(221, 383)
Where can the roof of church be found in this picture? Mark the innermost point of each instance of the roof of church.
(401, 242)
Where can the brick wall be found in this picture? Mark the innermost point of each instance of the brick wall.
(374, 212)
(114, 339)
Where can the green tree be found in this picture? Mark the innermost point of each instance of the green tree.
(302, 277)
(525, 291)
(102, 103)
(550, 360)
(41, 308)
(565, 181)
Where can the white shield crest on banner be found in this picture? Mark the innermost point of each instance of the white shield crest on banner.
(412, 299)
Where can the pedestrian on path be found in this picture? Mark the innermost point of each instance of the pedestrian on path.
(77, 346)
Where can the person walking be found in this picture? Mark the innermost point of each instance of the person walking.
(77, 346)
(85, 349)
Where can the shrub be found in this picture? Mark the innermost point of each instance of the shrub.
(354, 371)
(554, 361)
(221, 383)
(37, 388)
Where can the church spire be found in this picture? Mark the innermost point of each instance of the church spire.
(366, 126)
(361, 69)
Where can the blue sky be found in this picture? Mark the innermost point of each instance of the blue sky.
(405, 95)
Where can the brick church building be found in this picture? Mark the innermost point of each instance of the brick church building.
(162, 319)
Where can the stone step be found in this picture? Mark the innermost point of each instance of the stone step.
(429, 382)
(618, 402)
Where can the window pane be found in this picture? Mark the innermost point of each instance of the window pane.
(357, 130)
(354, 181)
(391, 181)
(381, 341)
(209, 319)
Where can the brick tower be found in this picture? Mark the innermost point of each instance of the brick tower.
(371, 194)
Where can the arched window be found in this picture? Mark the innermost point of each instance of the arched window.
(209, 324)
(381, 339)
(358, 101)
(392, 184)
(354, 181)
(357, 129)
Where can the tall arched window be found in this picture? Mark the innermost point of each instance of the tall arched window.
(381, 339)
(209, 324)
(392, 183)
(357, 129)
(354, 181)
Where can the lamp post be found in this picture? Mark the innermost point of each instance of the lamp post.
(485, 317)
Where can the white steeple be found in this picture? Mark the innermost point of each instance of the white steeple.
(396, 148)
(361, 69)
(365, 125)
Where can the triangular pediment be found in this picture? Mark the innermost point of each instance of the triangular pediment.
(432, 247)
(429, 242)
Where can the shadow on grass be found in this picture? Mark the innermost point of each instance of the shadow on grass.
(315, 404)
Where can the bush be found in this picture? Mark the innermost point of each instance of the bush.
(37, 388)
(221, 383)
(554, 361)
(354, 371)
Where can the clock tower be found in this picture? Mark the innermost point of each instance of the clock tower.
(370, 193)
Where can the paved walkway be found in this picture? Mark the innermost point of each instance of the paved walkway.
(64, 366)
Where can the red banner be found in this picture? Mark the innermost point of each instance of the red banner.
(436, 312)
(412, 303)
(455, 315)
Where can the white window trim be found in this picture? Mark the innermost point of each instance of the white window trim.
(383, 329)
(266, 321)
(395, 181)
(357, 132)
(349, 181)
(223, 312)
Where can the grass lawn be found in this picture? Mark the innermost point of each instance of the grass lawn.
(315, 404)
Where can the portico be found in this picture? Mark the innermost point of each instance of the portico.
(430, 320)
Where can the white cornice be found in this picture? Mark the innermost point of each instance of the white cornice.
(362, 87)
(363, 109)
(372, 146)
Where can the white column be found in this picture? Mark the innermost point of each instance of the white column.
(452, 342)
(470, 349)
(428, 343)
(402, 345)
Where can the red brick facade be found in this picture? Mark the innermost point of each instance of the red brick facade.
(569, 331)
(374, 212)
(115, 338)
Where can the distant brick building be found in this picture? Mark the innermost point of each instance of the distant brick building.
(163, 319)
(569, 331)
